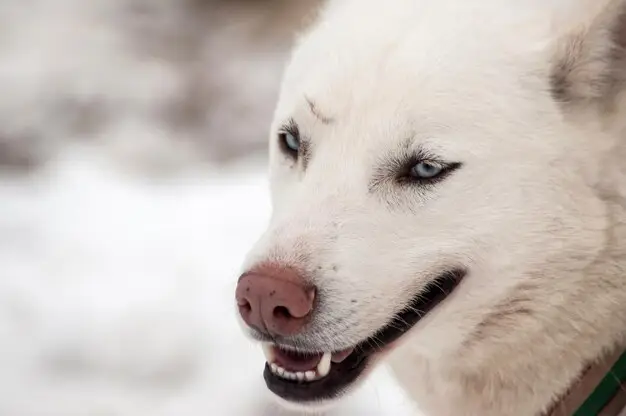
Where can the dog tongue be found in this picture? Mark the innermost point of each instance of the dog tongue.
(341, 355)
(299, 361)
(296, 361)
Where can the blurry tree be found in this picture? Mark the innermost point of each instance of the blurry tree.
(152, 83)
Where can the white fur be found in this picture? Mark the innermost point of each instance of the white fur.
(535, 214)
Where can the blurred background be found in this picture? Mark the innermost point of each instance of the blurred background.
(132, 182)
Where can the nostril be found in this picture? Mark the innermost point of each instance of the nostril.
(281, 312)
(244, 306)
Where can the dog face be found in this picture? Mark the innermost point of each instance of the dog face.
(425, 176)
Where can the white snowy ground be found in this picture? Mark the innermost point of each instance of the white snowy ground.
(116, 295)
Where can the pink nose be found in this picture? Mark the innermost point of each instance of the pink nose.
(275, 300)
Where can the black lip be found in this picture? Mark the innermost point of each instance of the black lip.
(340, 376)
(343, 374)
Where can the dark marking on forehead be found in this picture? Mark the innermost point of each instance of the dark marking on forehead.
(316, 112)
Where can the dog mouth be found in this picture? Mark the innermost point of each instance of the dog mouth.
(299, 376)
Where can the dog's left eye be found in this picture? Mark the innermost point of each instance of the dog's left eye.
(426, 170)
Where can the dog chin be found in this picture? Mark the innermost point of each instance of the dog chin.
(307, 408)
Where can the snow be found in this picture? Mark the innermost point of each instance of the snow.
(116, 294)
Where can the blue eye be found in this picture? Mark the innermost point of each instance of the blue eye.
(427, 170)
(290, 142)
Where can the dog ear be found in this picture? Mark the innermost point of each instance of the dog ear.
(590, 60)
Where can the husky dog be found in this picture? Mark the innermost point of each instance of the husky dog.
(449, 196)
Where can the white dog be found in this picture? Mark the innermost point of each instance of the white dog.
(449, 190)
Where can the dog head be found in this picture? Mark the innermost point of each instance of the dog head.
(435, 169)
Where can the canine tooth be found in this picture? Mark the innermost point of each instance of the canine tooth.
(300, 375)
(268, 351)
(280, 371)
(309, 375)
(323, 368)
(274, 368)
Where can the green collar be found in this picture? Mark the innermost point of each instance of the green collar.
(606, 390)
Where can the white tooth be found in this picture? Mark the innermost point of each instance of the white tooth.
(300, 375)
(323, 368)
(309, 375)
(293, 376)
(268, 351)
(274, 368)
(280, 371)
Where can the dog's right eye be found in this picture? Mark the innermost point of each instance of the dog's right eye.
(289, 140)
